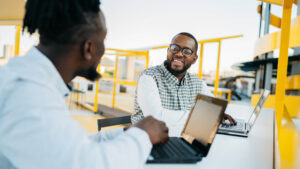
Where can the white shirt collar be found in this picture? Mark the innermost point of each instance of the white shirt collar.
(48, 68)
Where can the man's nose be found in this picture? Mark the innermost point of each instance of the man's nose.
(179, 54)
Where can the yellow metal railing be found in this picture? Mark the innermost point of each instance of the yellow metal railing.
(270, 42)
(287, 135)
(17, 40)
(117, 53)
(128, 53)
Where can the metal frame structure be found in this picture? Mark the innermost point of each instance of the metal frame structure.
(130, 53)
(287, 135)
(117, 53)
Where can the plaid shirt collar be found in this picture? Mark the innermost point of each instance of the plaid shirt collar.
(171, 78)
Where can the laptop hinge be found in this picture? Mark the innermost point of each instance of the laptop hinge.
(201, 148)
(248, 127)
(196, 144)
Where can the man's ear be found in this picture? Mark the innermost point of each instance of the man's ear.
(87, 50)
(195, 58)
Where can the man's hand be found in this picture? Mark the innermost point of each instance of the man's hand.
(228, 117)
(157, 130)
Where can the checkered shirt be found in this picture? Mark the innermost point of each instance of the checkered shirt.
(173, 94)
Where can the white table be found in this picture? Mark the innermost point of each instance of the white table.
(230, 152)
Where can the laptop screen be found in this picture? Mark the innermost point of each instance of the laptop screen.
(258, 107)
(204, 120)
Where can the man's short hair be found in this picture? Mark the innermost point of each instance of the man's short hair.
(61, 21)
(191, 36)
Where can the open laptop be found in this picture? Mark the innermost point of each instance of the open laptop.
(242, 128)
(197, 136)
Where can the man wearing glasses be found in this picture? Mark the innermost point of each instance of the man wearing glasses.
(168, 91)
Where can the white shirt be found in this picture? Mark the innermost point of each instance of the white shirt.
(149, 100)
(37, 132)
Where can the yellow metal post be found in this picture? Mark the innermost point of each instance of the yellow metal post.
(217, 71)
(17, 40)
(288, 157)
(283, 61)
(229, 96)
(288, 143)
(200, 61)
(147, 59)
(115, 82)
(96, 92)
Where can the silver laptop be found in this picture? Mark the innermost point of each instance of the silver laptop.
(242, 128)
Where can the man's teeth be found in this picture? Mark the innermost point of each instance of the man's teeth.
(177, 60)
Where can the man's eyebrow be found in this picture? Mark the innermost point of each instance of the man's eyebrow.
(180, 46)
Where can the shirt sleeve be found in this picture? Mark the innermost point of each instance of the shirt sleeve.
(107, 134)
(148, 97)
(149, 101)
(37, 132)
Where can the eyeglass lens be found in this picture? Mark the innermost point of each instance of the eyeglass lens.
(185, 51)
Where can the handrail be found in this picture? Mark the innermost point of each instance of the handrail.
(270, 42)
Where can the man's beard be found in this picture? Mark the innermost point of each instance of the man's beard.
(91, 74)
(167, 63)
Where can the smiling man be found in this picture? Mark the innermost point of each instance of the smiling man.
(168, 91)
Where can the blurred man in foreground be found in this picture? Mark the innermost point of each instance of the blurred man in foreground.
(36, 130)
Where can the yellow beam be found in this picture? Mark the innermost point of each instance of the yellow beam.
(289, 143)
(259, 9)
(293, 83)
(96, 92)
(229, 96)
(127, 51)
(275, 21)
(219, 39)
(221, 92)
(204, 41)
(160, 47)
(120, 50)
(127, 54)
(147, 60)
(217, 71)
(270, 42)
(17, 40)
(275, 2)
(124, 82)
(291, 102)
(200, 61)
(283, 61)
(115, 82)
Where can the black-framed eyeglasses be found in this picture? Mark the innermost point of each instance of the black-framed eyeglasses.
(185, 51)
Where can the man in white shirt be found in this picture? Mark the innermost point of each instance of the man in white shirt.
(168, 91)
(36, 130)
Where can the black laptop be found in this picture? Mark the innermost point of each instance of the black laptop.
(197, 136)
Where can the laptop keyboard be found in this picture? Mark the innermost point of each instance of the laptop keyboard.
(238, 126)
(175, 148)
